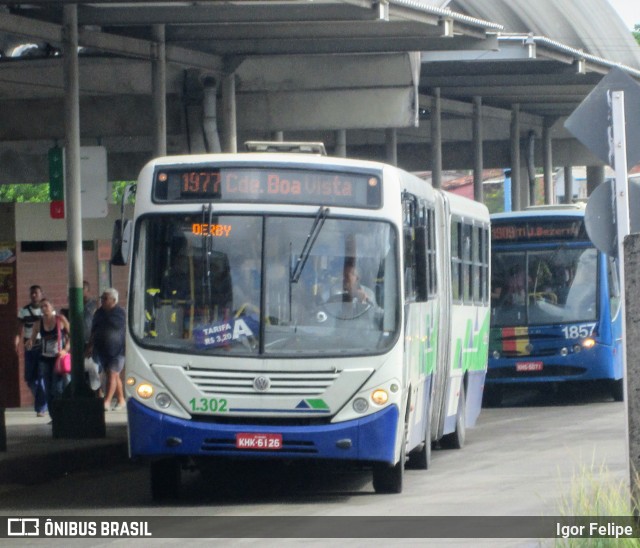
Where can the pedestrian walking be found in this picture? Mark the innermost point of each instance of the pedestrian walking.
(106, 345)
(28, 315)
(53, 329)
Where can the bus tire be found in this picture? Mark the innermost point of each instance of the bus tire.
(617, 389)
(421, 459)
(388, 479)
(456, 439)
(166, 479)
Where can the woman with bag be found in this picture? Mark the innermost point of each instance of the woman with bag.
(55, 361)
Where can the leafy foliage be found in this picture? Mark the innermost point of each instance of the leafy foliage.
(636, 32)
(39, 193)
(25, 193)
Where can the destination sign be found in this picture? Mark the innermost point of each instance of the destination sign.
(539, 230)
(270, 185)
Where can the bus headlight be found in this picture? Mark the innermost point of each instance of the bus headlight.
(379, 396)
(577, 348)
(131, 381)
(163, 400)
(564, 351)
(145, 391)
(495, 355)
(360, 405)
(588, 343)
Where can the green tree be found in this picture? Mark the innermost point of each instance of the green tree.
(636, 32)
(24, 193)
(39, 193)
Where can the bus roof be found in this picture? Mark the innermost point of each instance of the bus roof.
(540, 213)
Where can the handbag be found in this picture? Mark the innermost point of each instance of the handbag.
(63, 363)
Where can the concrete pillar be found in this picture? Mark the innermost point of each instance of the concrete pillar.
(524, 188)
(516, 176)
(210, 115)
(531, 169)
(436, 139)
(632, 338)
(391, 141)
(547, 162)
(79, 414)
(72, 187)
(568, 185)
(229, 123)
(278, 136)
(478, 165)
(595, 177)
(341, 143)
(159, 92)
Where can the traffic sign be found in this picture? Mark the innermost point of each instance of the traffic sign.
(599, 217)
(591, 122)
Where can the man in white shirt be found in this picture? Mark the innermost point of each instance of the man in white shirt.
(28, 315)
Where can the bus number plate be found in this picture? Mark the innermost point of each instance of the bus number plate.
(258, 441)
(529, 366)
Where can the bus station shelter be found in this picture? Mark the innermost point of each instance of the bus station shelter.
(428, 85)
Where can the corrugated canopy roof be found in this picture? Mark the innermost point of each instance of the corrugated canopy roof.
(591, 25)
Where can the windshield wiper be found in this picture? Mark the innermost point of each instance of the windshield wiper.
(316, 227)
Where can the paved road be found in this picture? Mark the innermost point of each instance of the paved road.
(519, 461)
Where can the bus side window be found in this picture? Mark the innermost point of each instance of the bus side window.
(409, 223)
(456, 259)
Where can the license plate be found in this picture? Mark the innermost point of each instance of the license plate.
(258, 441)
(529, 366)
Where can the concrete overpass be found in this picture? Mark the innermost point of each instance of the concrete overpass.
(156, 77)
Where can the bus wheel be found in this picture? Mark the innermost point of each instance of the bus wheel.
(617, 390)
(388, 479)
(492, 396)
(165, 479)
(455, 440)
(421, 460)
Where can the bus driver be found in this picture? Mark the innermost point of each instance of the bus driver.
(352, 288)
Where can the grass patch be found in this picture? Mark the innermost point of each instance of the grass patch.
(595, 492)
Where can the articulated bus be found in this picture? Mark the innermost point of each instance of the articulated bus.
(555, 299)
(295, 306)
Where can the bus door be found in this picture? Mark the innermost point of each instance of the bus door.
(441, 375)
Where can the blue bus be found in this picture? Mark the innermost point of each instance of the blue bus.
(555, 304)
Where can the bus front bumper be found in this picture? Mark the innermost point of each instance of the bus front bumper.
(153, 434)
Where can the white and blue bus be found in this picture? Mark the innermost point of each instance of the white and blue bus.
(294, 306)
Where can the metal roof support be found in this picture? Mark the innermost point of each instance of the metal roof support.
(547, 161)
(82, 403)
(568, 184)
(159, 92)
(477, 149)
(341, 143)
(391, 140)
(229, 121)
(436, 139)
(515, 158)
(72, 186)
(595, 176)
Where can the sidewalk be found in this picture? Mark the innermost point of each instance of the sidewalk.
(34, 456)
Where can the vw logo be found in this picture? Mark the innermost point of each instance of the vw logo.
(261, 383)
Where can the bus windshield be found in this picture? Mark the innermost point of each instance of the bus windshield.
(205, 283)
(548, 286)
